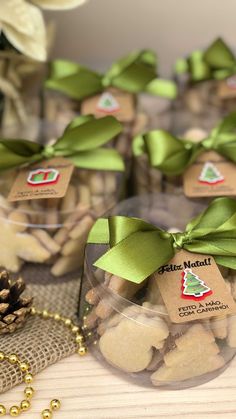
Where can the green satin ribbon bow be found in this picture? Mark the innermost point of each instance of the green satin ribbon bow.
(216, 62)
(81, 143)
(134, 73)
(173, 155)
(138, 249)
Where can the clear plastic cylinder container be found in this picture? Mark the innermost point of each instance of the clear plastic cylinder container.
(148, 179)
(47, 236)
(202, 104)
(127, 326)
(63, 109)
(158, 111)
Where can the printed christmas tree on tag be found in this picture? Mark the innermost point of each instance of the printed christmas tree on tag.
(107, 103)
(210, 174)
(193, 287)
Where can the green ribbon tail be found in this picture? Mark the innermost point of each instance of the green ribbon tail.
(89, 135)
(131, 239)
(223, 210)
(73, 80)
(226, 261)
(77, 121)
(99, 233)
(15, 153)
(213, 232)
(138, 146)
(222, 139)
(82, 139)
(163, 88)
(199, 69)
(141, 246)
(181, 66)
(99, 159)
(228, 124)
(223, 73)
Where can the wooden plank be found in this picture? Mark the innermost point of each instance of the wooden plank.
(90, 391)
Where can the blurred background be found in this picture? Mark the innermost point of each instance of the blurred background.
(102, 30)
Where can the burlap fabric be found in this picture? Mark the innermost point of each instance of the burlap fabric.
(42, 342)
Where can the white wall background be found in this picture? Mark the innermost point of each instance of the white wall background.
(102, 30)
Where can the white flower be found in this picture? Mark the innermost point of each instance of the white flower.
(24, 26)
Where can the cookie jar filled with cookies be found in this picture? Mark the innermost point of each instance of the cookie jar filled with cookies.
(50, 196)
(200, 163)
(157, 297)
(206, 84)
(115, 92)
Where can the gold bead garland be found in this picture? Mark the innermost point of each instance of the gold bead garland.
(24, 367)
(55, 404)
(28, 391)
(75, 330)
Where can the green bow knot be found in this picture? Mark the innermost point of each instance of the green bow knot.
(216, 62)
(137, 249)
(81, 143)
(134, 73)
(179, 239)
(106, 81)
(172, 156)
(48, 152)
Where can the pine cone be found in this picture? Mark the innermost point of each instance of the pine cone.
(14, 309)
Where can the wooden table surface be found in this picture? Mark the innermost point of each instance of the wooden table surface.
(89, 391)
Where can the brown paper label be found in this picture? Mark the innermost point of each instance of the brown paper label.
(112, 102)
(210, 175)
(193, 288)
(46, 179)
(227, 88)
